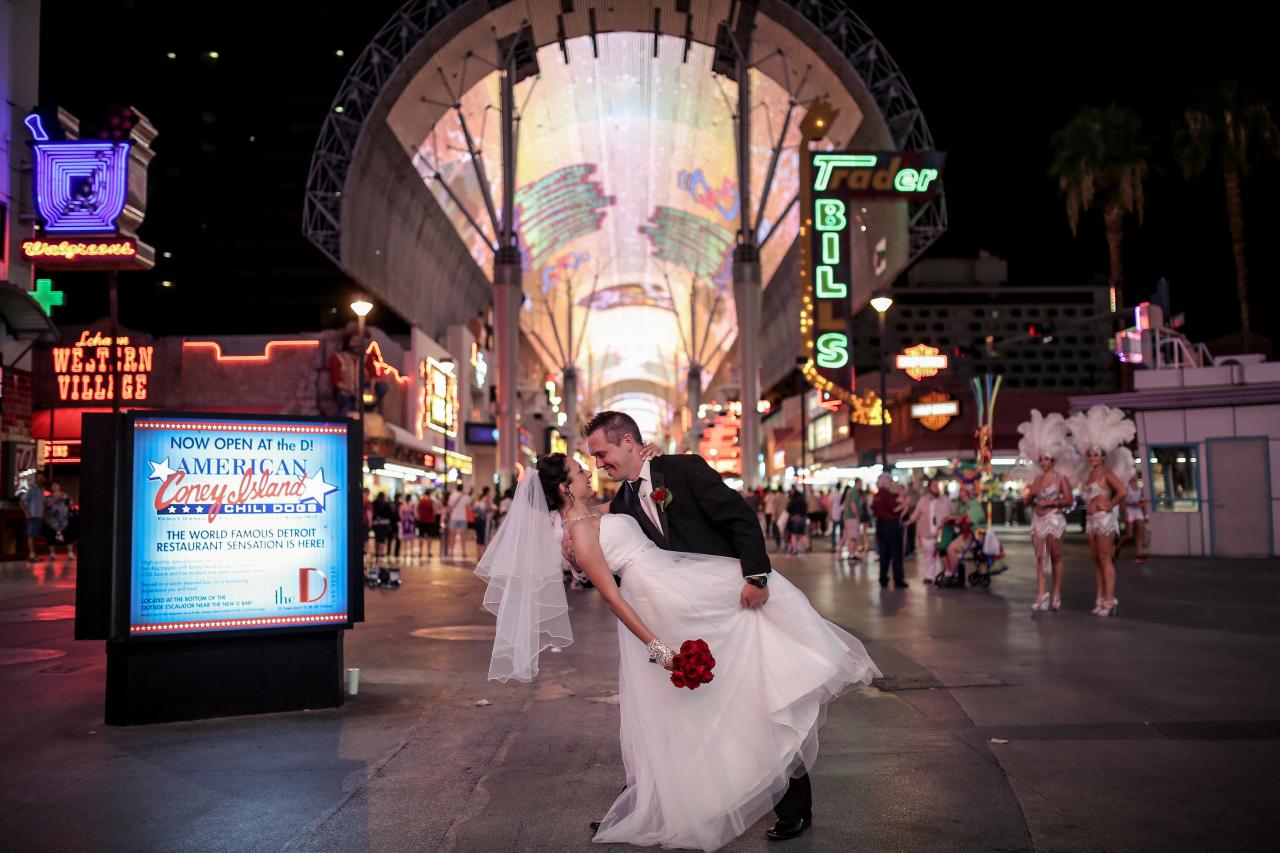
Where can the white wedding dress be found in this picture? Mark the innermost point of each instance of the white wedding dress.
(704, 765)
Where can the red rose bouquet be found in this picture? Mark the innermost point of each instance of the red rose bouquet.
(692, 666)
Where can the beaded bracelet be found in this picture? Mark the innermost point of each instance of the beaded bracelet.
(659, 653)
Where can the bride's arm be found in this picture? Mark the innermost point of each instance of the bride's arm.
(586, 544)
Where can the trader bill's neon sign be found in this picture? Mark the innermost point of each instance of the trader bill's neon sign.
(85, 372)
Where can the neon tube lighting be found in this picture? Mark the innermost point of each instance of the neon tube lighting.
(266, 356)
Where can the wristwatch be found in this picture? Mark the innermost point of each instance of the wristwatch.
(759, 581)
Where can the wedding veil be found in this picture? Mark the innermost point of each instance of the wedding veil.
(526, 586)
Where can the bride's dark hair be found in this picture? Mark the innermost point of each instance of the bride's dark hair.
(553, 472)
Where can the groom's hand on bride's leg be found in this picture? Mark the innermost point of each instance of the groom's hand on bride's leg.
(753, 596)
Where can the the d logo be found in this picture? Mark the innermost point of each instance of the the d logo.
(306, 585)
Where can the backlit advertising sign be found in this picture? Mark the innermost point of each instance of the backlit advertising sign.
(239, 524)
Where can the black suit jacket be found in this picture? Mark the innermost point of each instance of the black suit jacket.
(704, 517)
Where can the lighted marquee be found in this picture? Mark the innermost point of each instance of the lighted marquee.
(78, 252)
(84, 371)
(626, 183)
(840, 190)
(439, 397)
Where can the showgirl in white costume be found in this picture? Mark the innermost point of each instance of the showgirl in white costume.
(1046, 441)
(702, 765)
(1101, 434)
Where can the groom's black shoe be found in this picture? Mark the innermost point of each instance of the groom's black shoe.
(787, 828)
(595, 826)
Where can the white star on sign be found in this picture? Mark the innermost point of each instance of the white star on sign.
(160, 470)
(315, 488)
(186, 507)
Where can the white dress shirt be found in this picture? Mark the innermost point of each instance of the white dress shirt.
(644, 491)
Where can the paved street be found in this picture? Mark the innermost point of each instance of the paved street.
(993, 729)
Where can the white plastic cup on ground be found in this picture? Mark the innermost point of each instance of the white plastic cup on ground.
(353, 680)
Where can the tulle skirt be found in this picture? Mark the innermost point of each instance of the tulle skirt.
(704, 765)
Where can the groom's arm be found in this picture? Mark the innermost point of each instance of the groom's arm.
(726, 508)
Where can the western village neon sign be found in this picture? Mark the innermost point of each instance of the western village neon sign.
(84, 371)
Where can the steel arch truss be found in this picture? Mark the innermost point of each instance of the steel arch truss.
(355, 100)
(331, 160)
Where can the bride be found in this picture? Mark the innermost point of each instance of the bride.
(701, 765)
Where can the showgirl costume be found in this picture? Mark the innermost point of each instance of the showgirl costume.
(1099, 523)
(1051, 524)
(1046, 435)
(1105, 430)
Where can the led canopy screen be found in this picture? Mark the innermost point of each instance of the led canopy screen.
(627, 201)
(237, 525)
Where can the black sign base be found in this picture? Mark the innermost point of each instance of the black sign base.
(220, 676)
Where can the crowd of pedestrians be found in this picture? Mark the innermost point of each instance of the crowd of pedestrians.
(445, 522)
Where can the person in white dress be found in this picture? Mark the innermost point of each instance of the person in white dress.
(931, 511)
(701, 765)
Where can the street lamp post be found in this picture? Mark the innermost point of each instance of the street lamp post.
(882, 305)
(361, 306)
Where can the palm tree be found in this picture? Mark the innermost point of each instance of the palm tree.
(1100, 162)
(1232, 130)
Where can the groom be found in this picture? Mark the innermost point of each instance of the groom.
(683, 505)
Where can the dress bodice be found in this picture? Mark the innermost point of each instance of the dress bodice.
(622, 541)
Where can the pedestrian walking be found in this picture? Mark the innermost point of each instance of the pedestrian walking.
(57, 515)
(32, 503)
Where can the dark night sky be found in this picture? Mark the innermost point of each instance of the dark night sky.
(993, 88)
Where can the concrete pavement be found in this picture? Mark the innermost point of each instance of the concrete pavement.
(1155, 730)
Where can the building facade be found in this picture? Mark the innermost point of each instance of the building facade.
(1042, 338)
(1209, 453)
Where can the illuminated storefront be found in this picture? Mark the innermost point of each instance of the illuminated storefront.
(249, 375)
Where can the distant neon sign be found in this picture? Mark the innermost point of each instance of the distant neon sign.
(879, 174)
(80, 185)
(935, 410)
(831, 273)
(85, 371)
(922, 361)
(71, 253)
(440, 397)
(268, 352)
(46, 297)
(61, 452)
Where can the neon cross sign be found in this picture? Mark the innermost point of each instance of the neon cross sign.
(46, 297)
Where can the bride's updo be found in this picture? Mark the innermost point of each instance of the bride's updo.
(553, 472)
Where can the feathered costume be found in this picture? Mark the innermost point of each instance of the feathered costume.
(1107, 430)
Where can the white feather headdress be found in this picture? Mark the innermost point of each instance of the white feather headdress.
(1044, 435)
(1108, 430)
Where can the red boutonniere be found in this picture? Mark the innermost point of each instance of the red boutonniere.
(662, 497)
